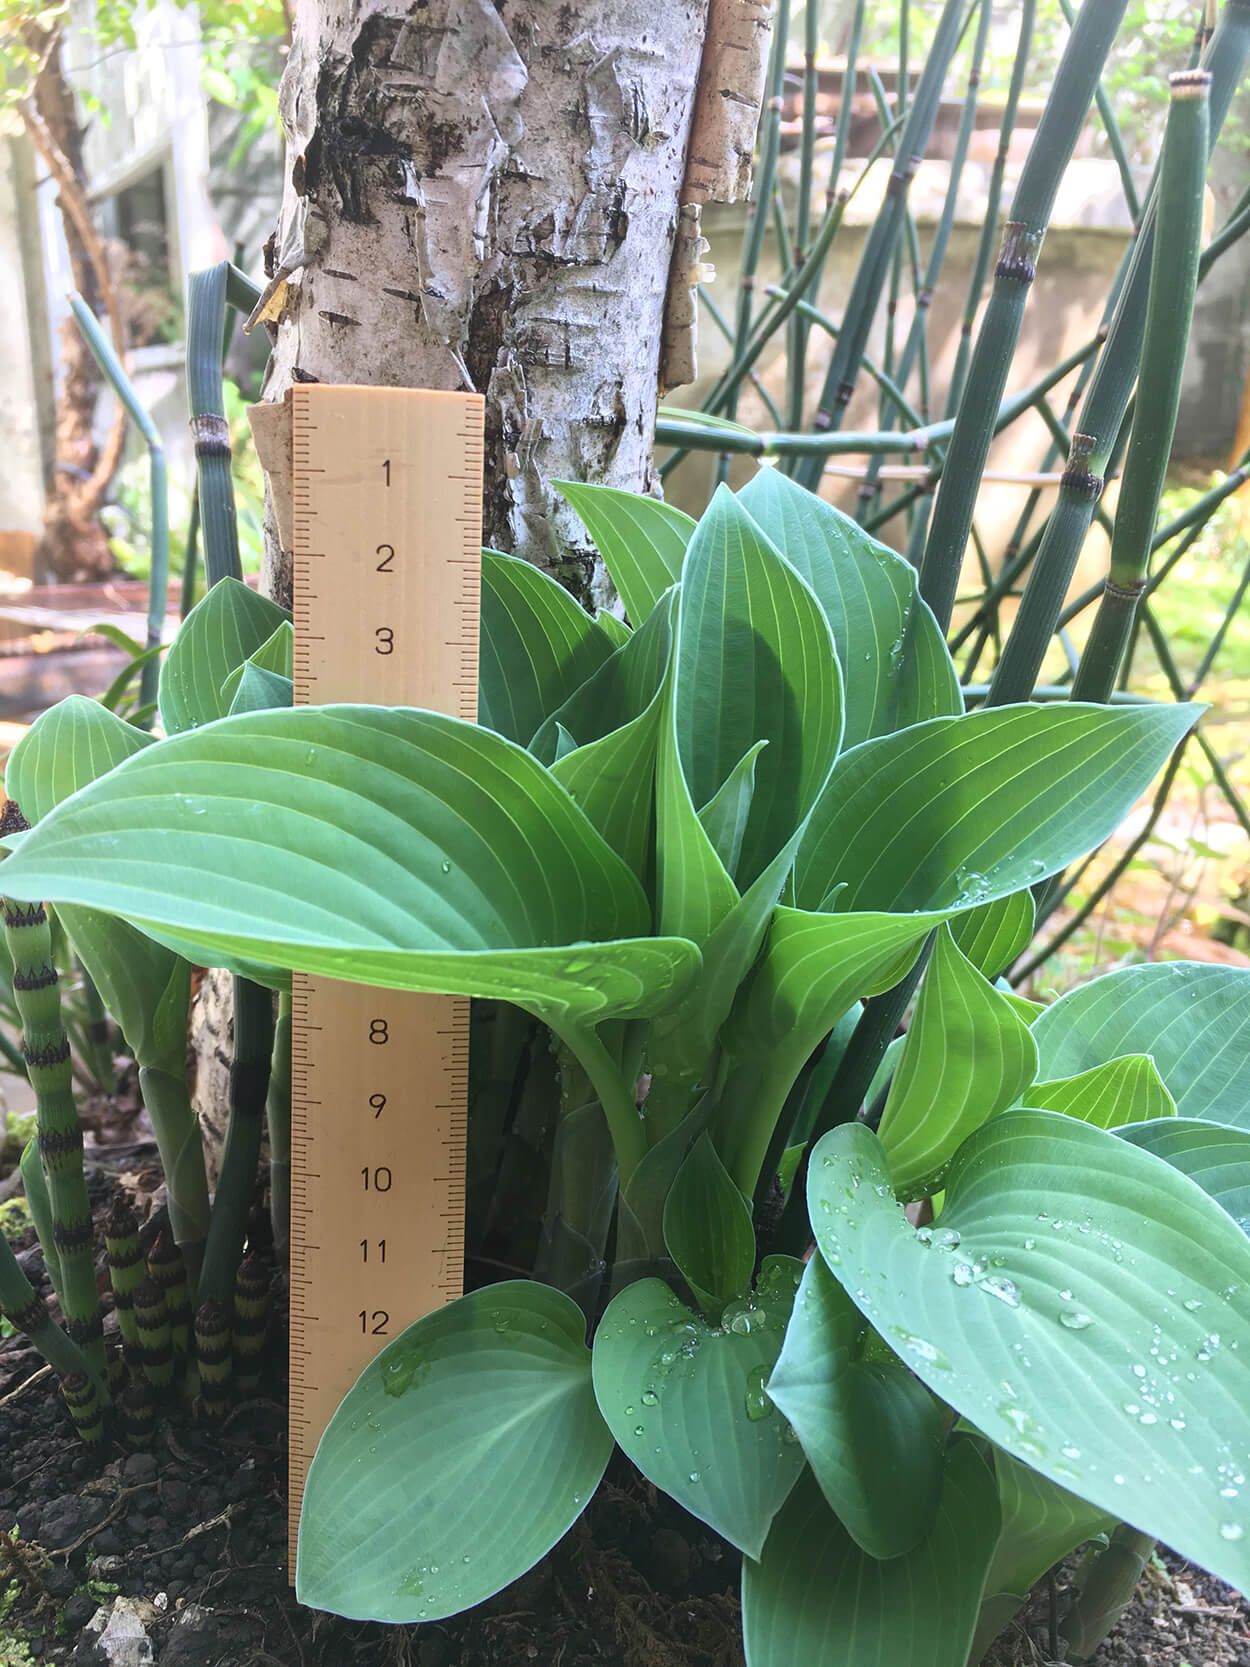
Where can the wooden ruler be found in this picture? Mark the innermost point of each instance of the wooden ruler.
(387, 532)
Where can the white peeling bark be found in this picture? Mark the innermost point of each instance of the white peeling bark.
(492, 193)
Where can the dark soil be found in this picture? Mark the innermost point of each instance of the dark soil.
(186, 1543)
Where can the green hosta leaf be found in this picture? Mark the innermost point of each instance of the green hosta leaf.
(67, 746)
(1028, 1010)
(707, 1229)
(277, 653)
(686, 1400)
(814, 966)
(894, 661)
(814, 1596)
(613, 780)
(222, 631)
(463, 1453)
(1193, 1019)
(617, 629)
(143, 985)
(993, 935)
(1041, 1524)
(250, 688)
(536, 646)
(1217, 1158)
(966, 1056)
(642, 541)
(622, 689)
(1127, 1090)
(959, 811)
(724, 817)
(872, 1432)
(704, 419)
(398, 848)
(1083, 1304)
(754, 661)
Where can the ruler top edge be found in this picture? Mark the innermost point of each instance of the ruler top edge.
(313, 392)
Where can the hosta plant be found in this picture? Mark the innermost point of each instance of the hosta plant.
(675, 858)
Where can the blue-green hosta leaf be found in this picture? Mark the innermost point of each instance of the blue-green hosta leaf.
(994, 934)
(686, 1400)
(462, 1454)
(894, 661)
(613, 781)
(872, 1432)
(966, 1056)
(252, 688)
(617, 629)
(536, 645)
(707, 1229)
(754, 661)
(958, 811)
(67, 746)
(1216, 1157)
(814, 1596)
(620, 691)
(390, 847)
(1192, 1018)
(1084, 1304)
(1041, 1524)
(1125, 1090)
(223, 630)
(642, 541)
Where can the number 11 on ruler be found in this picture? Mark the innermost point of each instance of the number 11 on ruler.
(387, 536)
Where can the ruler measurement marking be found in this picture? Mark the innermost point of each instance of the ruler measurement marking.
(373, 462)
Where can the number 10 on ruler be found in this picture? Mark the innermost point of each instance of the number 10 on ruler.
(387, 536)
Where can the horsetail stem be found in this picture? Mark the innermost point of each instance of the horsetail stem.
(22, 1305)
(278, 1123)
(1173, 282)
(213, 1350)
(251, 1320)
(126, 1269)
(166, 1268)
(36, 992)
(137, 1403)
(249, 1084)
(82, 1397)
(156, 1349)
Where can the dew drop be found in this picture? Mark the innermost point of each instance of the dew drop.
(694, 1475)
(962, 1273)
(758, 1402)
(1231, 1530)
(1003, 1289)
(650, 1398)
(1075, 1319)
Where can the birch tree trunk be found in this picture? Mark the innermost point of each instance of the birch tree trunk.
(486, 194)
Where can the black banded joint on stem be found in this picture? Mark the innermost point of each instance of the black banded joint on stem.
(41, 979)
(46, 1059)
(1131, 592)
(1078, 479)
(11, 819)
(17, 915)
(73, 1236)
(58, 1143)
(85, 1331)
(1190, 83)
(1017, 257)
(211, 433)
(30, 1318)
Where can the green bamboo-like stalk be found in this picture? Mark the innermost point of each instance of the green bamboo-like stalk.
(249, 1084)
(96, 1034)
(35, 1186)
(158, 482)
(844, 366)
(206, 322)
(1106, 403)
(1111, 127)
(36, 990)
(82, 1397)
(1173, 282)
(1106, 1589)
(797, 347)
(989, 229)
(137, 1404)
(214, 1352)
(166, 1267)
(190, 559)
(278, 1125)
(181, 1147)
(25, 1308)
(582, 1191)
(1057, 133)
(769, 143)
(156, 1348)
